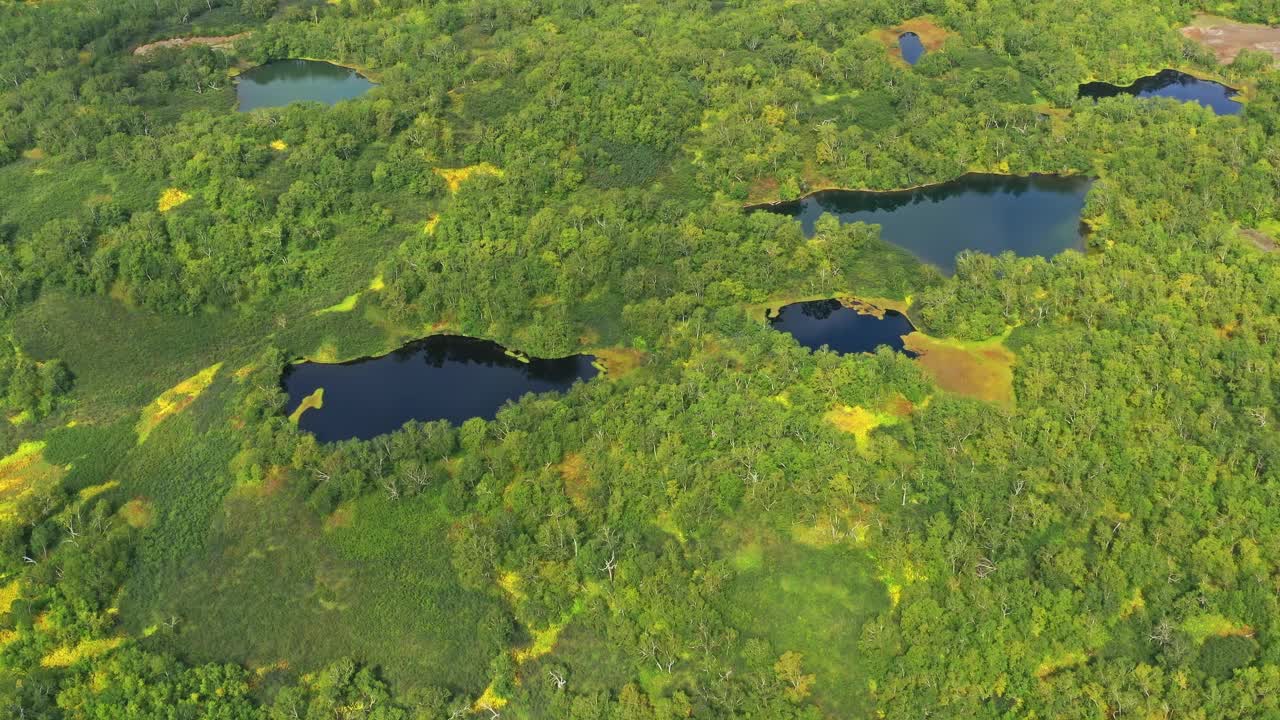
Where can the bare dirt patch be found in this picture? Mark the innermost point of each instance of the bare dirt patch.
(1226, 38)
(218, 42)
(1261, 240)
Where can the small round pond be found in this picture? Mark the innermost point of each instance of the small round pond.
(442, 377)
(288, 81)
(1034, 215)
(1171, 84)
(911, 47)
(842, 328)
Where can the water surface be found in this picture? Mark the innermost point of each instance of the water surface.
(443, 377)
(1035, 215)
(288, 81)
(1171, 84)
(843, 329)
(911, 48)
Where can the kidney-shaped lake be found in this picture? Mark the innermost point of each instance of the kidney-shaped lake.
(443, 377)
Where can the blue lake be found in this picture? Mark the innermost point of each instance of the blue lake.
(1035, 215)
(288, 81)
(443, 377)
(830, 323)
(1171, 84)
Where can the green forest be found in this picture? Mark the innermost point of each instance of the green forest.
(1063, 504)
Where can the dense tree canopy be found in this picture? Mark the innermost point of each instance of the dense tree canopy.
(723, 525)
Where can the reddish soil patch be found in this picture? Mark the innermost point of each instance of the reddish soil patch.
(762, 190)
(277, 477)
(901, 406)
(220, 42)
(985, 373)
(620, 361)
(138, 512)
(931, 35)
(340, 518)
(1226, 39)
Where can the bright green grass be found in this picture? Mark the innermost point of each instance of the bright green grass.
(278, 584)
(37, 191)
(123, 359)
(812, 601)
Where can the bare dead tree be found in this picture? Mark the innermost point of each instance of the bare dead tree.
(558, 679)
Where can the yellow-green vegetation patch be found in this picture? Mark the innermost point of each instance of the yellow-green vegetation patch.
(430, 226)
(1135, 603)
(667, 524)
(513, 585)
(8, 594)
(279, 145)
(898, 577)
(980, 369)
(175, 400)
(489, 701)
(840, 523)
(171, 198)
(94, 491)
(1203, 627)
(1053, 664)
(20, 418)
(377, 284)
(859, 422)
(67, 656)
(544, 641)
(314, 401)
(346, 305)
(326, 353)
(454, 177)
(23, 472)
(750, 556)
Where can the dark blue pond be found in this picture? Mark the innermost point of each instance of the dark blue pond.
(843, 329)
(1171, 84)
(1036, 215)
(289, 81)
(910, 46)
(443, 377)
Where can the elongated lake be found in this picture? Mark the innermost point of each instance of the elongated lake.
(911, 47)
(1035, 215)
(1171, 84)
(842, 328)
(288, 81)
(443, 377)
